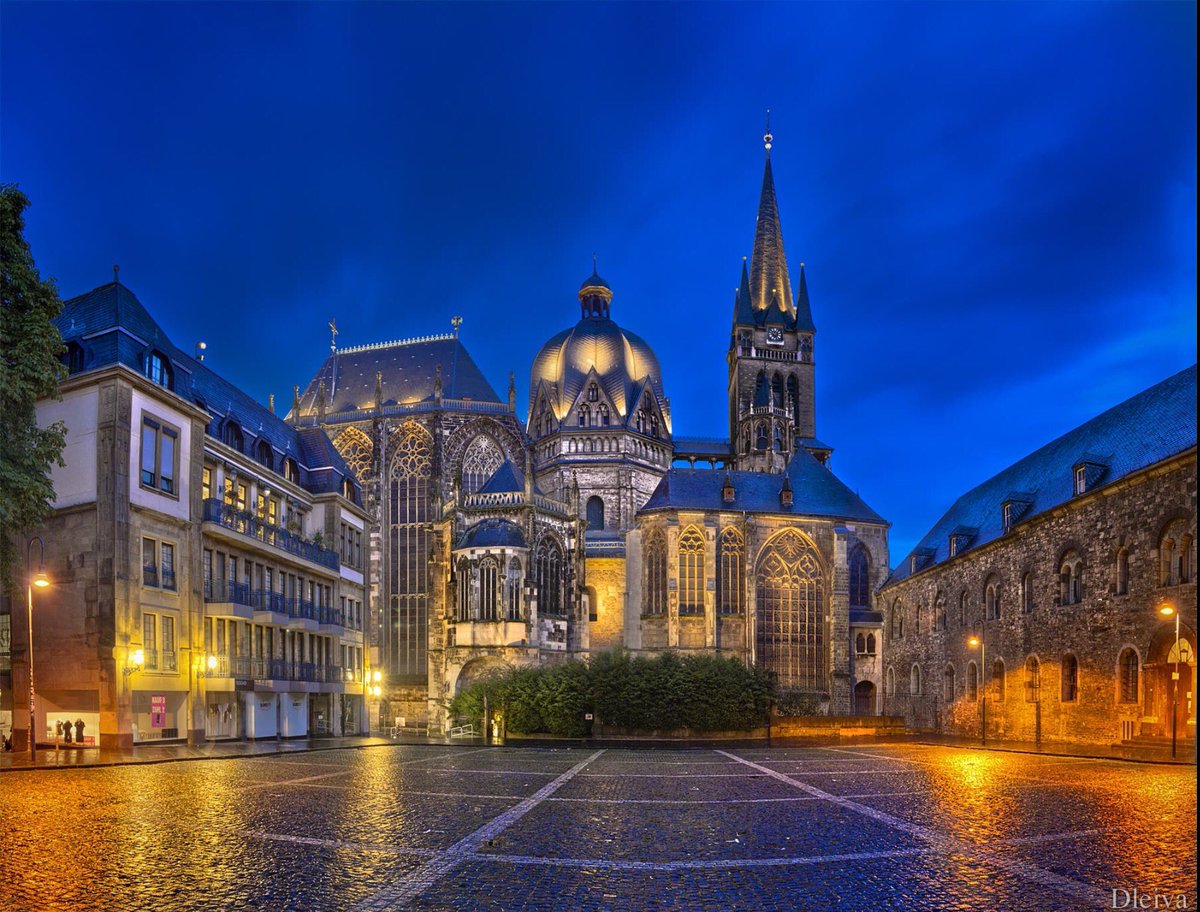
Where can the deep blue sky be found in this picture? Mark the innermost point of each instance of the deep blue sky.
(996, 202)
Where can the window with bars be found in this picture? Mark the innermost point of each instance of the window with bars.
(731, 573)
(1128, 669)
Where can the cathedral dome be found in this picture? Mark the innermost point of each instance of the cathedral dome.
(620, 358)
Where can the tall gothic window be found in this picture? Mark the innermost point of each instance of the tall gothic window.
(691, 571)
(790, 592)
(489, 589)
(860, 578)
(512, 591)
(480, 461)
(897, 625)
(761, 432)
(731, 572)
(464, 589)
(593, 393)
(1027, 593)
(654, 595)
(793, 391)
(595, 514)
(1127, 668)
(548, 571)
(777, 391)
(356, 449)
(409, 515)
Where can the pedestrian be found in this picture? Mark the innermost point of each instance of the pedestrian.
(78, 731)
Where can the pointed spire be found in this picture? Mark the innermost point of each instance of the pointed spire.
(321, 401)
(745, 312)
(804, 320)
(768, 265)
(512, 392)
(785, 492)
(271, 402)
(295, 402)
(378, 390)
(437, 384)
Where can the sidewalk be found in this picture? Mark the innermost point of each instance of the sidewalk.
(83, 758)
(1185, 750)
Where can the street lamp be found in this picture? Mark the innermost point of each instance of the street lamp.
(1167, 610)
(38, 580)
(980, 642)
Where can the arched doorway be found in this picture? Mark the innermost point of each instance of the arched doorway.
(1164, 659)
(864, 698)
(479, 670)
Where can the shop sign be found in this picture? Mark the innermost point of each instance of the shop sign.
(158, 711)
(243, 684)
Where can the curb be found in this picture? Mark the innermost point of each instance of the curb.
(1046, 753)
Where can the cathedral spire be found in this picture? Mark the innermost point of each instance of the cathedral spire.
(768, 265)
(804, 320)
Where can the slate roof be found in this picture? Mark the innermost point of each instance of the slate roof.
(409, 369)
(492, 533)
(1154, 425)
(113, 327)
(816, 492)
(507, 479)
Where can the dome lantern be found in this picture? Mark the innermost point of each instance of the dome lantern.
(595, 296)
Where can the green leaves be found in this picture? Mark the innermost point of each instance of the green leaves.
(30, 345)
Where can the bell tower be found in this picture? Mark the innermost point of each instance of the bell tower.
(772, 408)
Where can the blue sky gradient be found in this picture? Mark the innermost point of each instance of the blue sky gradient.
(996, 202)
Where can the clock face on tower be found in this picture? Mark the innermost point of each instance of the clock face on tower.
(774, 335)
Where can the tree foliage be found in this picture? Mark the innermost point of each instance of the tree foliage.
(30, 346)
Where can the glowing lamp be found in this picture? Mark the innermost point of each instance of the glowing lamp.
(211, 663)
(138, 657)
(40, 580)
(973, 641)
(1166, 610)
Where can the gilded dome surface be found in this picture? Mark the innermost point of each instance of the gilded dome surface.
(620, 358)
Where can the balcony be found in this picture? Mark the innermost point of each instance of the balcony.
(264, 669)
(216, 511)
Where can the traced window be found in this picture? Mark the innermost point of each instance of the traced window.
(160, 454)
(548, 567)
(410, 451)
(793, 391)
(777, 391)
(654, 597)
(790, 589)
(603, 412)
(585, 416)
(1070, 679)
(731, 572)
(1033, 680)
(806, 348)
(691, 571)
(512, 591)
(761, 432)
(860, 577)
(593, 393)
(480, 461)
(489, 590)
(356, 450)
(595, 514)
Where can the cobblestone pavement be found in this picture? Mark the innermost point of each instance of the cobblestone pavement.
(898, 826)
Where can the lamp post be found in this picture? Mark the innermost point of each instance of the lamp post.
(37, 580)
(981, 642)
(1167, 610)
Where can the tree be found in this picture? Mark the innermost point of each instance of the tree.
(30, 345)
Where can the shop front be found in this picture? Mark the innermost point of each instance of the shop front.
(159, 715)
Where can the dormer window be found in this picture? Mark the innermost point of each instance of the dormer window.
(232, 436)
(1080, 479)
(1086, 472)
(960, 540)
(158, 369)
(263, 453)
(1007, 513)
(348, 489)
(291, 471)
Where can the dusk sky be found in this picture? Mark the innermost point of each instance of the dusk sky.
(996, 203)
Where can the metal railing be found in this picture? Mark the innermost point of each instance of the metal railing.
(264, 669)
(218, 511)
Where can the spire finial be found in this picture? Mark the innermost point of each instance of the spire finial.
(333, 334)
(116, 273)
(767, 137)
(456, 322)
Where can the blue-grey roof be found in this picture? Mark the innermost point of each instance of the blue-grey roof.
(594, 281)
(701, 447)
(1154, 425)
(507, 479)
(409, 371)
(816, 492)
(113, 327)
(492, 533)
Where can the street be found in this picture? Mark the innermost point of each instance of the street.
(899, 826)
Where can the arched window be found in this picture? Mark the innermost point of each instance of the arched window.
(860, 577)
(972, 682)
(512, 591)
(356, 450)
(1128, 669)
(998, 688)
(731, 573)
(263, 454)
(548, 565)
(480, 461)
(914, 680)
(464, 589)
(291, 471)
(593, 393)
(1176, 549)
(897, 627)
(641, 421)
(761, 433)
(889, 682)
(870, 644)
(1121, 584)
(1070, 579)
(777, 391)
(860, 644)
(595, 514)
(1027, 593)
(806, 348)
(603, 410)
(691, 571)
(793, 391)
(1070, 679)
(939, 612)
(654, 597)
(158, 369)
(1033, 680)
(991, 599)
(762, 389)
(778, 439)
(585, 416)
(948, 684)
(489, 589)
(791, 611)
(410, 452)
(231, 435)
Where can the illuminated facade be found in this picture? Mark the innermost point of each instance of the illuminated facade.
(1058, 567)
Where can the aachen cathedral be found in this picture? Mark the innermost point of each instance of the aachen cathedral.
(498, 543)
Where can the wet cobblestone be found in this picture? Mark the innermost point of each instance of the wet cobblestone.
(446, 828)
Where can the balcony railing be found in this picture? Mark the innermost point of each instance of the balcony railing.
(166, 661)
(248, 524)
(277, 602)
(264, 669)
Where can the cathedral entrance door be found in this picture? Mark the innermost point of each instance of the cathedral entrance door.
(1166, 693)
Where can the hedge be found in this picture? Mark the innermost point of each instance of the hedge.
(667, 692)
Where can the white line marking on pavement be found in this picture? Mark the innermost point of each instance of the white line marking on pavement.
(1030, 872)
(698, 863)
(346, 772)
(684, 800)
(343, 844)
(669, 776)
(410, 886)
